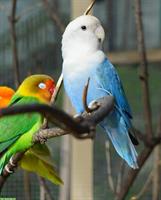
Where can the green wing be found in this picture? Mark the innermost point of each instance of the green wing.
(12, 127)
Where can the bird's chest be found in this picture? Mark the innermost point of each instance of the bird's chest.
(75, 80)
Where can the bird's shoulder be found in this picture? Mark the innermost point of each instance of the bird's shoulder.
(18, 99)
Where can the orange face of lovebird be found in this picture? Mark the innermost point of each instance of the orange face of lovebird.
(39, 86)
(6, 94)
(46, 89)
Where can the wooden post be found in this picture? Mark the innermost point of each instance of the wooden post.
(81, 151)
(65, 164)
(76, 156)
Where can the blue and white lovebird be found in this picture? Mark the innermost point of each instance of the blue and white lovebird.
(83, 58)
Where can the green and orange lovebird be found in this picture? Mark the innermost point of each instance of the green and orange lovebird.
(19, 129)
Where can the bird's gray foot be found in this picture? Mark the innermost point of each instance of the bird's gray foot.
(93, 105)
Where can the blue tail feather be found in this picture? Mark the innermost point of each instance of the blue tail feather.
(122, 142)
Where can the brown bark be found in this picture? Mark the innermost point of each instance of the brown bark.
(13, 20)
(83, 127)
(143, 69)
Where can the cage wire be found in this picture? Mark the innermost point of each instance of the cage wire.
(39, 51)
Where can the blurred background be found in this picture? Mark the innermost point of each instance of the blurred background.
(39, 51)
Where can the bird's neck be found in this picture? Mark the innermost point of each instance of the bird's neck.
(79, 50)
(71, 65)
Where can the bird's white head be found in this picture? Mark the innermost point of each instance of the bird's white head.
(83, 36)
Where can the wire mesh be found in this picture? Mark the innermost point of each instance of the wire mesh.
(39, 50)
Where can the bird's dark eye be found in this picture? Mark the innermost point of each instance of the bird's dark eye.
(83, 28)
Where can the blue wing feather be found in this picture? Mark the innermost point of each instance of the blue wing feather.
(112, 83)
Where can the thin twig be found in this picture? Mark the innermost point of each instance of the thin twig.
(94, 105)
(54, 97)
(147, 183)
(5, 173)
(54, 15)
(145, 186)
(28, 10)
(90, 7)
(144, 155)
(85, 92)
(46, 189)
(120, 177)
(132, 174)
(57, 89)
(143, 69)
(12, 20)
(109, 167)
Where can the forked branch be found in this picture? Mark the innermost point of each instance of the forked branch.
(81, 127)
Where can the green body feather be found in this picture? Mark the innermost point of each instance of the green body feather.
(16, 131)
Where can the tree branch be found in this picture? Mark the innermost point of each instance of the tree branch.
(109, 167)
(120, 177)
(151, 141)
(62, 119)
(144, 188)
(46, 188)
(10, 166)
(143, 69)
(57, 89)
(132, 174)
(144, 155)
(81, 127)
(12, 20)
(54, 15)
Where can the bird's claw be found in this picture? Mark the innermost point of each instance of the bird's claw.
(93, 105)
(8, 170)
(78, 117)
(12, 162)
(42, 139)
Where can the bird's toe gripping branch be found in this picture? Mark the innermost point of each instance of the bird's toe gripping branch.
(9, 168)
(12, 163)
(94, 105)
(92, 130)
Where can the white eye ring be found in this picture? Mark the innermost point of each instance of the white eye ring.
(42, 85)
